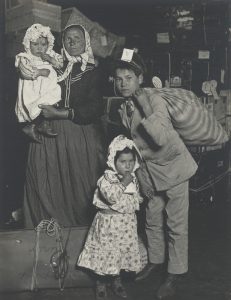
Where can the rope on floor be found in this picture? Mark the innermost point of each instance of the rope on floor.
(59, 259)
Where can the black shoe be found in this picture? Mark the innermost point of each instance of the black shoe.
(118, 288)
(147, 270)
(45, 129)
(168, 288)
(100, 291)
(31, 131)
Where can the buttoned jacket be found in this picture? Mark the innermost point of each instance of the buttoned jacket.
(167, 159)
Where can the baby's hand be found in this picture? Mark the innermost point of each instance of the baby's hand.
(127, 178)
(46, 57)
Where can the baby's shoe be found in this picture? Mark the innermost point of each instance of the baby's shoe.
(31, 131)
(45, 129)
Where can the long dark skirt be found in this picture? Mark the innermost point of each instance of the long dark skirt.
(62, 173)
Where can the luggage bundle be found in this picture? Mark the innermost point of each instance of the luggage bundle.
(195, 124)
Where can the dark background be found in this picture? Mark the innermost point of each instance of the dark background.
(139, 22)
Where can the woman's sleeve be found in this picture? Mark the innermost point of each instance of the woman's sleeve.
(91, 107)
(114, 194)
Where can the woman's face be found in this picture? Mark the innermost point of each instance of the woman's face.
(39, 47)
(74, 41)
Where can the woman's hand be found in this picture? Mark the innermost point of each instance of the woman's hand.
(52, 113)
(43, 72)
(143, 101)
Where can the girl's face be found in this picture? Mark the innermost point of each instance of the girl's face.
(127, 82)
(39, 47)
(74, 41)
(125, 163)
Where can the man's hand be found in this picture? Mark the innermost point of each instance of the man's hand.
(127, 178)
(143, 101)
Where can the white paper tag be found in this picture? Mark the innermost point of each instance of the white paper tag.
(222, 76)
(103, 40)
(163, 38)
(203, 54)
(127, 54)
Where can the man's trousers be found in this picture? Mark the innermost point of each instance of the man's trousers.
(167, 228)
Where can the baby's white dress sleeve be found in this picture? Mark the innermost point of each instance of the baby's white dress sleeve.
(25, 67)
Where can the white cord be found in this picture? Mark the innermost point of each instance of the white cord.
(51, 228)
(211, 183)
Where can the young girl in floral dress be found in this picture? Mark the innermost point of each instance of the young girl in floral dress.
(112, 241)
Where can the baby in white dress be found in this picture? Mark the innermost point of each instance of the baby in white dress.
(38, 79)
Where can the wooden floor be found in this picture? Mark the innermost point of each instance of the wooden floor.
(209, 276)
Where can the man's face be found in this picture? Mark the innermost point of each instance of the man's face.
(127, 82)
(74, 41)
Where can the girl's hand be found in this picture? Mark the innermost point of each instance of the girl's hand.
(50, 112)
(127, 178)
(143, 101)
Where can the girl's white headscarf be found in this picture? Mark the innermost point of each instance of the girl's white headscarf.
(119, 143)
(84, 58)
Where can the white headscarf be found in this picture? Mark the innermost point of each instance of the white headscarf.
(84, 58)
(36, 31)
(119, 143)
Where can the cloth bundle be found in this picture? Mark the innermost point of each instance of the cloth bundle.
(194, 123)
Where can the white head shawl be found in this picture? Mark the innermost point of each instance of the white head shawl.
(36, 31)
(84, 58)
(119, 143)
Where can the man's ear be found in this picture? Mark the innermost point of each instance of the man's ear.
(141, 78)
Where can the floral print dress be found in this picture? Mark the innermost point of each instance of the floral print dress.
(112, 241)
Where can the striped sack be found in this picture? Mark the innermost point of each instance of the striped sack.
(194, 123)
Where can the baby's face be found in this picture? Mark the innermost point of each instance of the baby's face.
(39, 47)
(125, 163)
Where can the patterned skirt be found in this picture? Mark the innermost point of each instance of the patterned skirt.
(112, 245)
